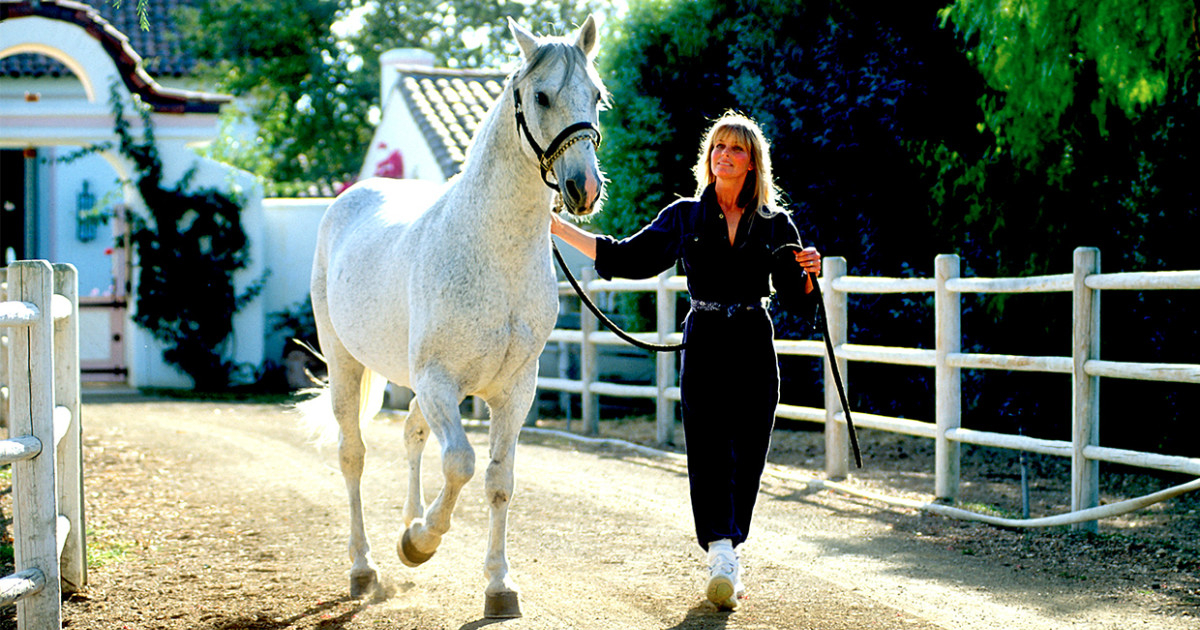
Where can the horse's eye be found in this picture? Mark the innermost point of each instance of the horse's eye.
(542, 99)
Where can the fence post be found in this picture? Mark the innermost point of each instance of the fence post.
(587, 363)
(31, 396)
(1085, 400)
(837, 437)
(4, 340)
(947, 379)
(73, 565)
(665, 361)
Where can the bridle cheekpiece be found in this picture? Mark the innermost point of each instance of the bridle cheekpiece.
(564, 140)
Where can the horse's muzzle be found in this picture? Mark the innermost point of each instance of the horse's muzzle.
(581, 194)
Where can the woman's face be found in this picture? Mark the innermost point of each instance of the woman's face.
(730, 157)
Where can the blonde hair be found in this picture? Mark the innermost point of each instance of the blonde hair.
(759, 191)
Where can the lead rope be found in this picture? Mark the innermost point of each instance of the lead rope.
(833, 367)
(659, 347)
(583, 297)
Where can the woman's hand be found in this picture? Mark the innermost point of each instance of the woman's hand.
(581, 240)
(809, 260)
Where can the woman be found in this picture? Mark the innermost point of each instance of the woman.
(734, 240)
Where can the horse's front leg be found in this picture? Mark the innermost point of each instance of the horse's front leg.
(508, 414)
(416, 433)
(439, 406)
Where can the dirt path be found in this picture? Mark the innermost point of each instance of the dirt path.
(229, 520)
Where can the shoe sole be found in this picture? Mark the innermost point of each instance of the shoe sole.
(720, 592)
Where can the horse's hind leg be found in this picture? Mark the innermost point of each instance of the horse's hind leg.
(349, 384)
(508, 414)
(439, 398)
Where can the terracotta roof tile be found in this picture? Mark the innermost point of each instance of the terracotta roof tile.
(160, 49)
(449, 106)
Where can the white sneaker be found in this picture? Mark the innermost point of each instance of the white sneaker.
(724, 575)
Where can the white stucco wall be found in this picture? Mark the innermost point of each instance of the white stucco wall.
(144, 354)
(290, 239)
(60, 185)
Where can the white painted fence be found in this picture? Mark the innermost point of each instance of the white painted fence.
(947, 360)
(40, 372)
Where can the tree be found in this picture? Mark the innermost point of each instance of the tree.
(893, 147)
(311, 93)
(296, 85)
(1036, 54)
(1092, 137)
(838, 91)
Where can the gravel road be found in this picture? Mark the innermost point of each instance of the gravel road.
(221, 515)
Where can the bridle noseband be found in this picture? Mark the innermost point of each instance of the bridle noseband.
(563, 141)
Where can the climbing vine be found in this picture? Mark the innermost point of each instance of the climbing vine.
(189, 244)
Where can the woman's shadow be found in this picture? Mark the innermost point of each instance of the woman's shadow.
(703, 616)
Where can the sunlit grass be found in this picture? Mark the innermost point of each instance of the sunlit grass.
(105, 547)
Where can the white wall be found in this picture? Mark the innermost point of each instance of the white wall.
(289, 241)
(58, 199)
(144, 353)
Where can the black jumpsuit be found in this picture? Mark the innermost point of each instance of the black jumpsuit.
(729, 378)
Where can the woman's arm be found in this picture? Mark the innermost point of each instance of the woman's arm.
(581, 240)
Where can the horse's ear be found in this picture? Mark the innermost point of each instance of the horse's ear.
(588, 36)
(525, 39)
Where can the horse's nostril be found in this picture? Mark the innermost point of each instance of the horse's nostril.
(573, 191)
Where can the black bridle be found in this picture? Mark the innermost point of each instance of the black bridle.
(563, 141)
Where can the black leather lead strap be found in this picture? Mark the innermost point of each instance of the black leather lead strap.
(610, 324)
(833, 367)
(657, 347)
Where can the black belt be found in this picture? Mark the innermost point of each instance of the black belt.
(729, 310)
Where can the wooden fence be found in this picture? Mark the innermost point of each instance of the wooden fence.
(946, 358)
(40, 374)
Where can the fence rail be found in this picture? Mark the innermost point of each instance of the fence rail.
(947, 359)
(39, 371)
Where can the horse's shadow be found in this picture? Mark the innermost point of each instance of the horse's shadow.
(703, 616)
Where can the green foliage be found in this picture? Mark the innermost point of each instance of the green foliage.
(894, 144)
(1035, 53)
(461, 33)
(309, 109)
(143, 12)
(311, 95)
(188, 248)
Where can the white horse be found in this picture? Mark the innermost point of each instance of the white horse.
(451, 292)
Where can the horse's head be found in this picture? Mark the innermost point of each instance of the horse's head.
(558, 97)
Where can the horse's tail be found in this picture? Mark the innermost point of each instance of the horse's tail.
(316, 411)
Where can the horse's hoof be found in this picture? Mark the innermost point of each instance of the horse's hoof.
(410, 555)
(501, 606)
(363, 584)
